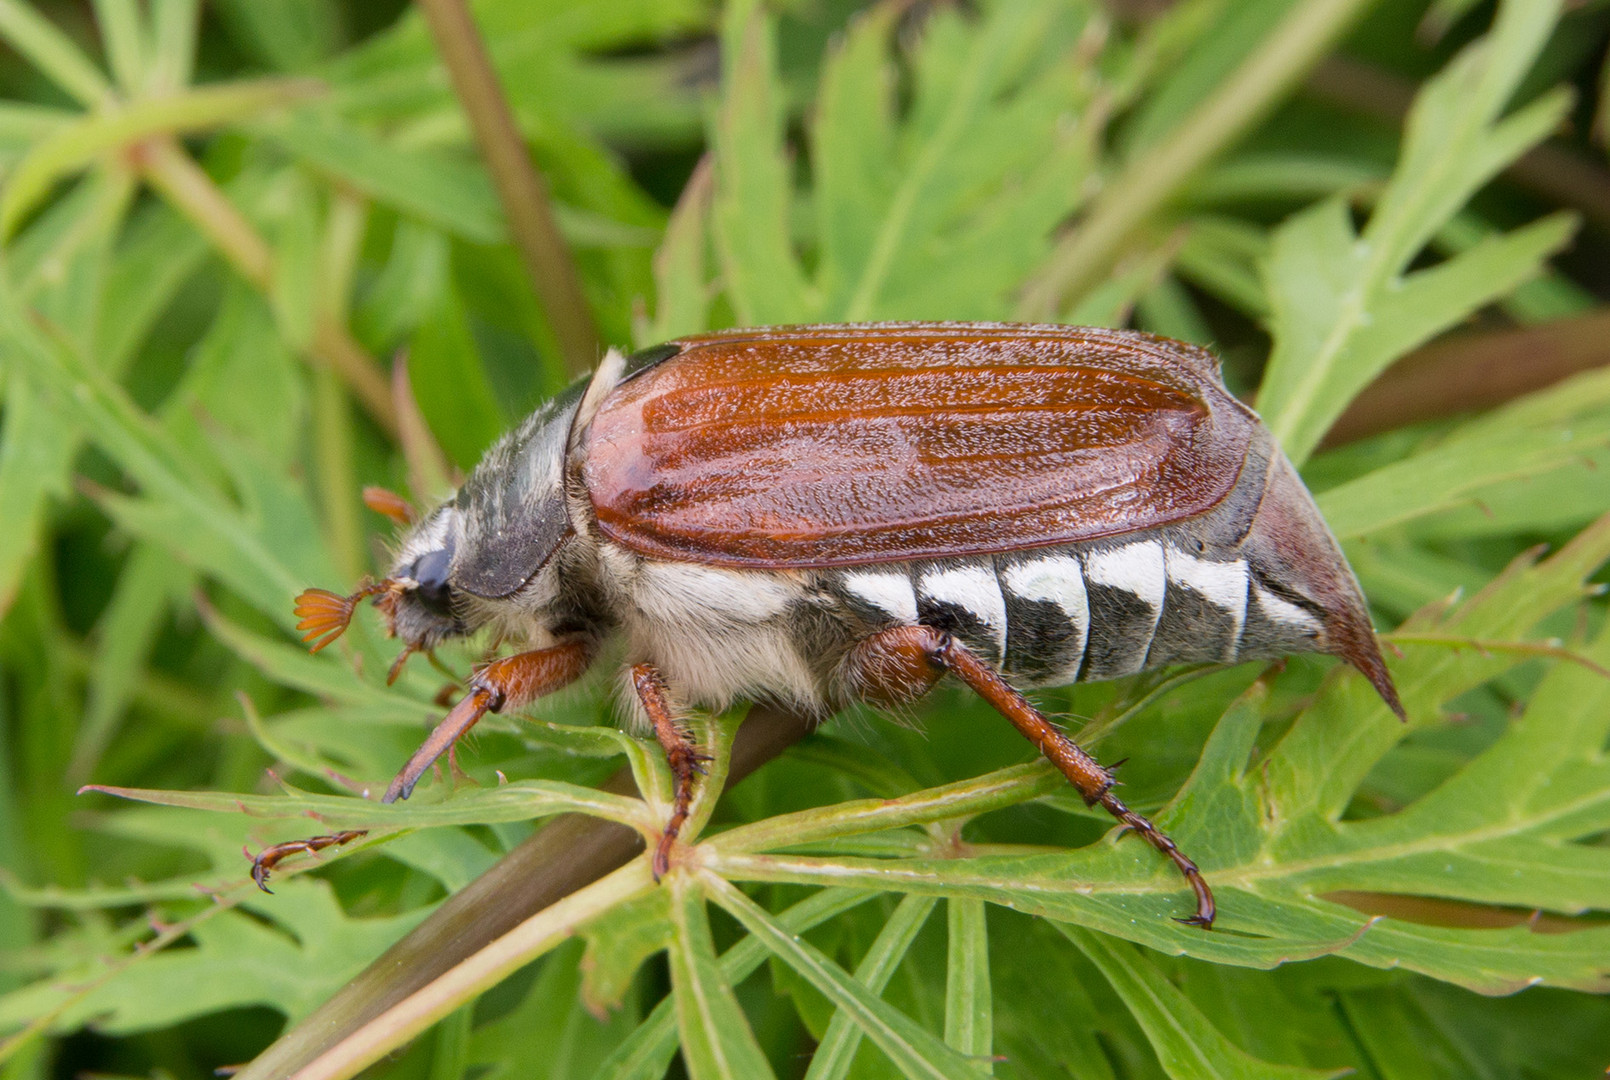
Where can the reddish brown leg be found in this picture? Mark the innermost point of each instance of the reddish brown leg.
(686, 761)
(903, 662)
(510, 681)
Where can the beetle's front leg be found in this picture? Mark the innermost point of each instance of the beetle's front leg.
(684, 758)
(508, 682)
(904, 662)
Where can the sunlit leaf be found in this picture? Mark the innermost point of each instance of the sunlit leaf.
(1343, 305)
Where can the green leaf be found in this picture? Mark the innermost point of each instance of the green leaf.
(835, 1053)
(406, 288)
(550, 1035)
(645, 1054)
(450, 385)
(290, 35)
(295, 291)
(450, 193)
(449, 1051)
(717, 1043)
(522, 800)
(969, 1004)
(180, 511)
(288, 955)
(1187, 1044)
(326, 676)
(244, 380)
(914, 1051)
(1457, 471)
(76, 146)
(174, 26)
(1342, 306)
(943, 215)
(1227, 33)
(48, 49)
(681, 281)
(753, 196)
(122, 27)
(138, 608)
(1272, 841)
(36, 453)
(157, 255)
(617, 946)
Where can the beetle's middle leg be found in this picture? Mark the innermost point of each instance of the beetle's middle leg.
(904, 662)
(684, 757)
(510, 681)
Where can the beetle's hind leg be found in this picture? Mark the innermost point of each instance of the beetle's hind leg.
(685, 759)
(904, 662)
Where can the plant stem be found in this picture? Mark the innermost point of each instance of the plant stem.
(1085, 255)
(1471, 372)
(521, 188)
(332, 419)
(192, 192)
(476, 974)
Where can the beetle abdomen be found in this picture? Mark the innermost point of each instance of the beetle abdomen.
(1084, 614)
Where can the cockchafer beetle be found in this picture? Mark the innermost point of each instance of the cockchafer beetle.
(824, 514)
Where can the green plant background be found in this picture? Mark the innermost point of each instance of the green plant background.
(225, 227)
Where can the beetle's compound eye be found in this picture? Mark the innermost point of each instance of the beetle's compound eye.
(433, 591)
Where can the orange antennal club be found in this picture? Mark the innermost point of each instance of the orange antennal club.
(325, 615)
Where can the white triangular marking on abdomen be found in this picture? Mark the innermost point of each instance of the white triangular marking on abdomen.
(1135, 568)
(889, 592)
(1060, 580)
(1284, 611)
(974, 589)
(1223, 584)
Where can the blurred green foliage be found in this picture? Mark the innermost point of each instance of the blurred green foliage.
(228, 232)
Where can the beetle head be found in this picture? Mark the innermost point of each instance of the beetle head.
(422, 605)
(484, 546)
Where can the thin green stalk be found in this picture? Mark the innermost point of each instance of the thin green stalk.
(521, 188)
(111, 131)
(192, 192)
(969, 1004)
(560, 858)
(337, 473)
(1003, 787)
(174, 26)
(1086, 255)
(545, 930)
(332, 420)
(49, 50)
(122, 37)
